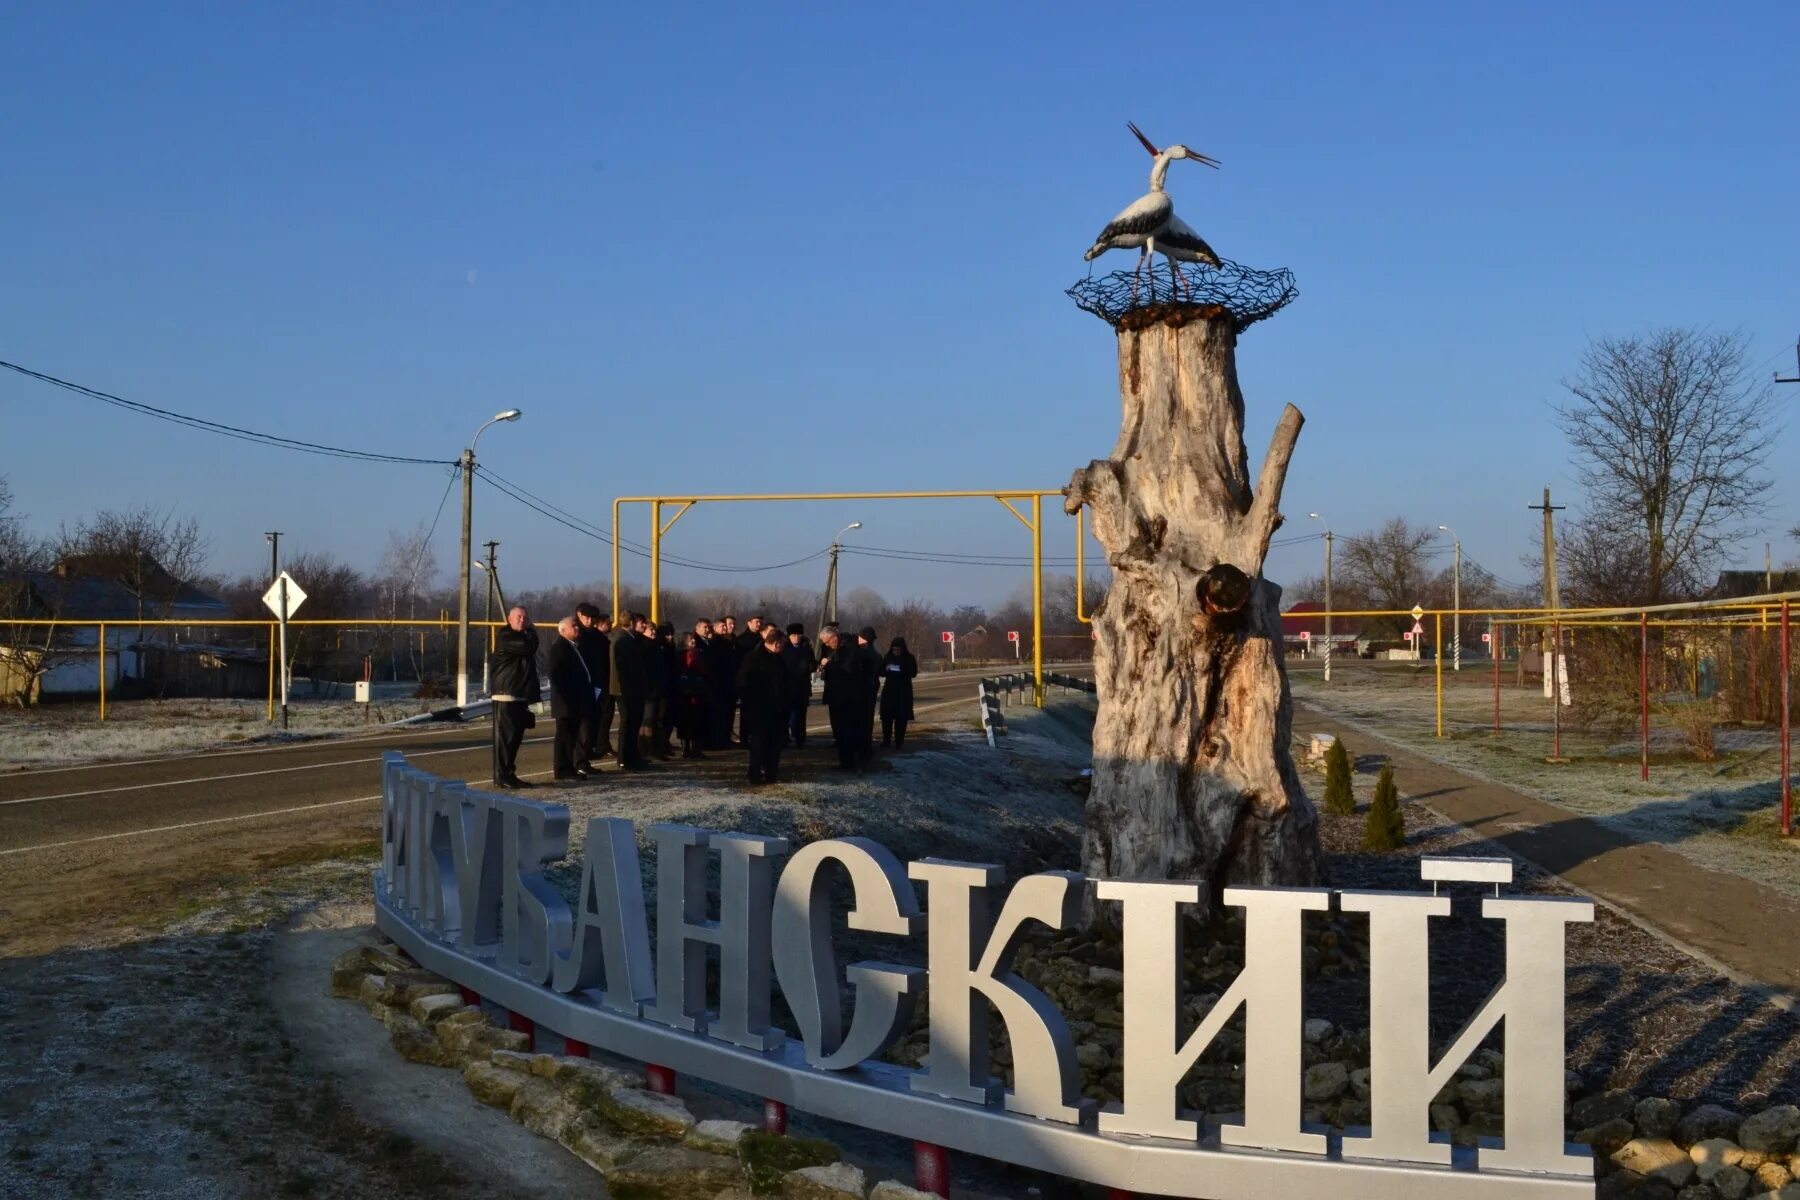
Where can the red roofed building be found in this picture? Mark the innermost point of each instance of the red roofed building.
(1346, 632)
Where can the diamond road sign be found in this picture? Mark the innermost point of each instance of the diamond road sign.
(295, 597)
(1417, 612)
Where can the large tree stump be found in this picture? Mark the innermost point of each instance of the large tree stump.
(1193, 778)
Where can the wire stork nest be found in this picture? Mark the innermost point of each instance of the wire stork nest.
(1178, 293)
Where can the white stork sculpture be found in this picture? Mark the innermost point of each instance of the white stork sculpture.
(1149, 223)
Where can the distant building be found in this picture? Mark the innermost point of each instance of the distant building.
(1304, 634)
(1735, 585)
(78, 594)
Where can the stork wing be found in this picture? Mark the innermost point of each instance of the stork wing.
(1144, 216)
(1179, 235)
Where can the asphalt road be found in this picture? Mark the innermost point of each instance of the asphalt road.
(59, 808)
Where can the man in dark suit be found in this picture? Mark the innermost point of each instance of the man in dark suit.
(595, 643)
(571, 698)
(630, 686)
(762, 685)
(515, 688)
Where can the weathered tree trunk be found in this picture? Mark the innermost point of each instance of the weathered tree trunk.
(1193, 778)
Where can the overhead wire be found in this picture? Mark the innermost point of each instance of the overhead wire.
(231, 431)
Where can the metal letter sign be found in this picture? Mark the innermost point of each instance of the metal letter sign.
(461, 889)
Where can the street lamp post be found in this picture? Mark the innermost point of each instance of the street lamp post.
(1455, 603)
(493, 585)
(1321, 520)
(462, 600)
(828, 610)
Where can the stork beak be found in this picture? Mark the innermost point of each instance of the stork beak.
(1197, 157)
(1148, 145)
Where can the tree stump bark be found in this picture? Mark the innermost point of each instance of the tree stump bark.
(1193, 778)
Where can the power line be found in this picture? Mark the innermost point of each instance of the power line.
(231, 431)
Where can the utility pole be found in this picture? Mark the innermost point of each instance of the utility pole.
(488, 618)
(828, 609)
(274, 537)
(1796, 375)
(1322, 521)
(467, 465)
(1552, 596)
(1455, 602)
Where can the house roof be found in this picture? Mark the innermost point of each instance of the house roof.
(1294, 622)
(90, 598)
(1734, 585)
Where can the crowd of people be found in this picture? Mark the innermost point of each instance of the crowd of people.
(634, 689)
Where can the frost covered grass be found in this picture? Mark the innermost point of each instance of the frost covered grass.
(1721, 814)
(73, 733)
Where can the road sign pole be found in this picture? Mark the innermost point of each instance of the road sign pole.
(285, 680)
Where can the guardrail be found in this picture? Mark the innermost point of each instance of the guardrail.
(995, 690)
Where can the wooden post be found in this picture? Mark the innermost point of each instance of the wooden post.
(1644, 695)
(1193, 777)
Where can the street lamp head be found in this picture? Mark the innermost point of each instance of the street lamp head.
(511, 414)
(1315, 516)
(1444, 528)
(854, 525)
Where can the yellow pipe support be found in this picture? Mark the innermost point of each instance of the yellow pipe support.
(656, 560)
(685, 505)
(1437, 654)
(1007, 505)
(103, 670)
(272, 628)
(615, 556)
(1037, 594)
(1081, 612)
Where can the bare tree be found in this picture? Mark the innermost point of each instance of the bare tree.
(1388, 568)
(408, 572)
(27, 652)
(1669, 433)
(148, 551)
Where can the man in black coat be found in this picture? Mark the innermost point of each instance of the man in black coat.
(571, 698)
(762, 686)
(744, 643)
(721, 706)
(797, 656)
(513, 679)
(630, 686)
(868, 693)
(595, 643)
(846, 676)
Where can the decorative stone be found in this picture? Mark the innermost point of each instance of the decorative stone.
(429, 1010)
(834, 1181)
(1106, 976)
(415, 1042)
(1656, 1117)
(1359, 1082)
(893, 1189)
(767, 1157)
(544, 1108)
(1445, 1118)
(717, 1137)
(1707, 1121)
(1607, 1136)
(493, 1085)
(1772, 1131)
(565, 1069)
(1710, 1156)
(1593, 1110)
(1326, 1081)
(403, 987)
(1730, 1183)
(673, 1173)
(598, 1144)
(370, 989)
(1656, 1158)
(1696, 1191)
(1092, 1056)
(1483, 1095)
(1316, 1030)
(512, 1060)
(643, 1112)
(1770, 1177)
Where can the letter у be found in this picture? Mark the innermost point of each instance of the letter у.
(1269, 987)
(742, 934)
(969, 959)
(475, 848)
(807, 968)
(396, 830)
(1402, 1080)
(534, 919)
(611, 927)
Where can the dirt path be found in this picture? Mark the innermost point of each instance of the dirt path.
(1744, 929)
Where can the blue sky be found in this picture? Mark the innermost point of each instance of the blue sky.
(735, 248)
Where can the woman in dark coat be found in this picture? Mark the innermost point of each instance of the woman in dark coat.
(897, 672)
(691, 688)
